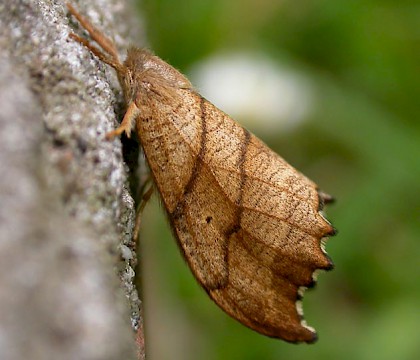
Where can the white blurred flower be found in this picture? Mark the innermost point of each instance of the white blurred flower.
(255, 90)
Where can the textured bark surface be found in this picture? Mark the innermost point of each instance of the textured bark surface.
(66, 214)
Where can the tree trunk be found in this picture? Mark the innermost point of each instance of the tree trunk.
(66, 216)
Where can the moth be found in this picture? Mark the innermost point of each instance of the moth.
(249, 225)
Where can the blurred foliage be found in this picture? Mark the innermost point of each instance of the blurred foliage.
(362, 144)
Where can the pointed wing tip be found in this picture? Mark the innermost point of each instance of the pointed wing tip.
(310, 336)
(301, 333)
(304, 334)
(325, 199)
(330, 264)
(313, 338)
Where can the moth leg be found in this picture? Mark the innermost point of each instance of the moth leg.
(144, 199)
(128, 122)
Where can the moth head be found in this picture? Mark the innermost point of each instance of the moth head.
(145, 66)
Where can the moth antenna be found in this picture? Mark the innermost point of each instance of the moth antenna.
(103, 57)
(104, 42)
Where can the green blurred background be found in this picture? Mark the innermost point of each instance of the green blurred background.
(360, 142)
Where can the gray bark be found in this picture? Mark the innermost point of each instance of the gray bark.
(66, 214)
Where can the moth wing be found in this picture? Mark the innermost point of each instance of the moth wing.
(246, 221)
(174, 144)
(277, 245)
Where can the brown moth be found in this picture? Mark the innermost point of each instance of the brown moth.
(249, 225)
